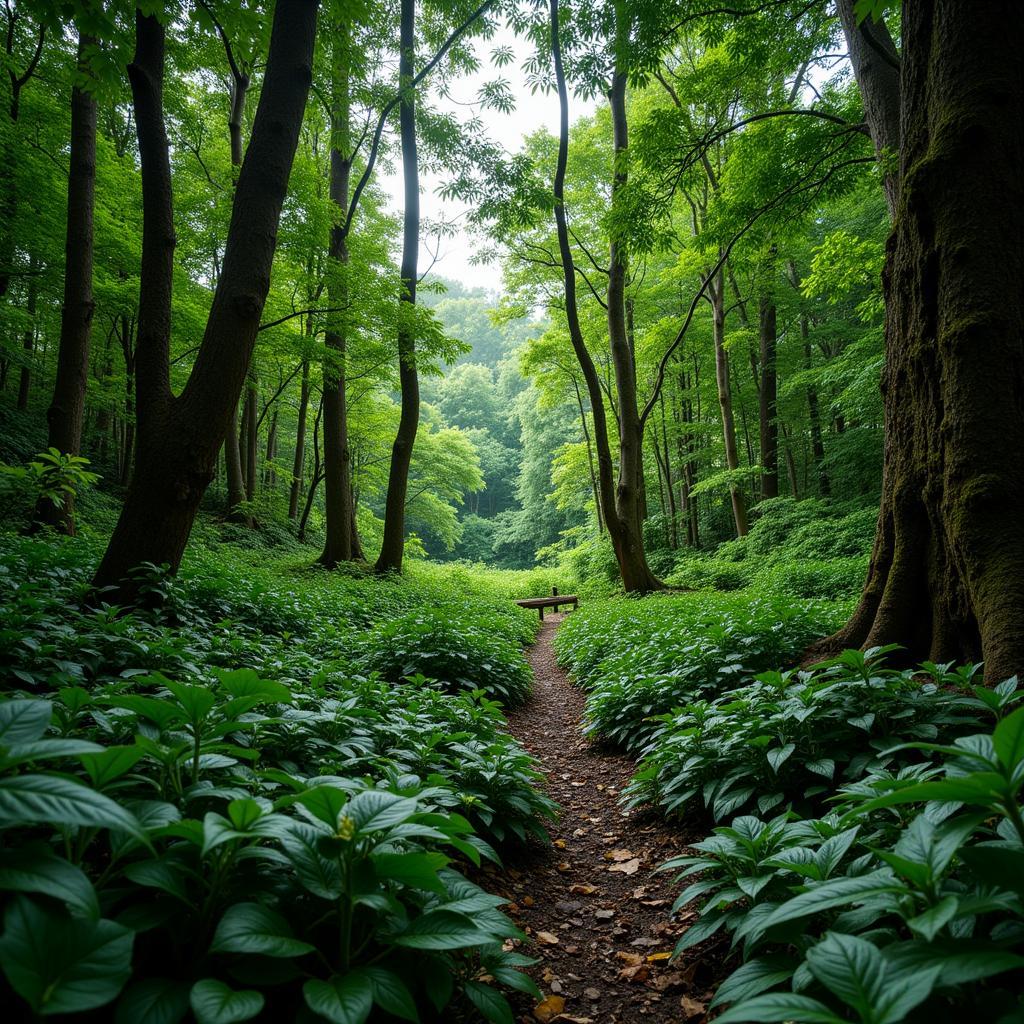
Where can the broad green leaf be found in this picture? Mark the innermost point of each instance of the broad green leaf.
(35, 799)
(441, 929)
(108, 766)
(837, 892)
(776, 1007)
(777, 756)
(934, 919)
(345, 999)
(23, 720)
(375, 809)
(959, 961)
(254, 928)
(418, 870)
(492, 1005)
(213, 1002)
(391, 993)
(153, 1001)
(1008, 740)
(34, 868)
(60, 964)
(850, 967)
(753, 978)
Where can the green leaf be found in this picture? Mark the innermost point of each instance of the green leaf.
(244, 682)
(391, 993)
(934, 919)
(753, 978)
(213, 1002)
(63, 964)
(418, 870)
(34, 868)
(850, 967)
(960, 961)
(111, 764)
(780, 1006)
(441, 929)
(492, 1005)
(375, 809)
(24, 720)
(152, 1001)
(996, 864)
(345, 999)
(254, 928)
(1008, 740)
(837, 892)
(37, 799)
(779, 755)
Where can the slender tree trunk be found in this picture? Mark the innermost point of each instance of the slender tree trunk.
(317, 476)
(178, 438)
(28, 342)
(299, 463)
(667, 460)
(732, 460)
(233, 470)
(590, 459)
(337, 457)
(768, 424)
(629, 492)
(813, 410)
(946, 578)
(270, 476)
(67, 407)
(250, 437)
(393, 543)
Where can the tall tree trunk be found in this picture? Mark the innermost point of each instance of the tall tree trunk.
(732, 460)
(317, 476)
(233, 470)
(270, 475)
(627, 534)
(813, 410)
(29, 337)
(393, 543)
(337, 458)
(946, 578)
(250, 436)
(299, 463)
(178, 438)
(595, 489)
(768, 423)
(67, 407)
(673, 535)
(876, 68)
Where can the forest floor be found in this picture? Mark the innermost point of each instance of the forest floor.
(593, 902)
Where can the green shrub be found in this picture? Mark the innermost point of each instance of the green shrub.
(460, 653)
(904, 903)
(794, 735)
(184, 859)
(639, 659)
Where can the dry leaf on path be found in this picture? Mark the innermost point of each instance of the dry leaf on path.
(627, 867)
(691, 1007)
(547, 939)
(582, 888)
(619, 855)
(549, 1009)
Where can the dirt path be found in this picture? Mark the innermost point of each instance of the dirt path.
(595, 906)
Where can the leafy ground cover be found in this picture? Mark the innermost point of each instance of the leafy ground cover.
(216, 804)
(874, 874)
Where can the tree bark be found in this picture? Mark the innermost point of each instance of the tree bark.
(732, 459)
(299, 463)
(393, 543)
(178, 438)
(338, 514)
(250, 436)
(876, 67)
(67, 407)
(768, 422)
(28, 341)
(946, 578)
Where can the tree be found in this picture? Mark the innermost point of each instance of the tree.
(67, 407)
(179, 436)
(946, 578)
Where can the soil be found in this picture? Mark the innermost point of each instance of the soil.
(597, 911)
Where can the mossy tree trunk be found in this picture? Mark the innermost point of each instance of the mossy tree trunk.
(946, 578)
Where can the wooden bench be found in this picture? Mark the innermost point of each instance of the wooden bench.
(554, 601)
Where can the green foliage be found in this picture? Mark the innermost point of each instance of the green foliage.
(639, 659)
(903, 903)
(793, 736)
(285, 833)
(52, 475)
(462, 654)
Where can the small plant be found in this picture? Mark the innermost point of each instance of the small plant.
(52, 475)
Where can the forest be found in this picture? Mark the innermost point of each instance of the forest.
(510, 511)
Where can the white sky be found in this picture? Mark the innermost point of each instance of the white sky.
(532, 111)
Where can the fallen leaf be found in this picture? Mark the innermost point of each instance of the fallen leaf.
(582, 888)
(619, 855)
(547, 938)
(633, 959)
(576, 1020)
(560, 843)
(636, 973)
(627, 867)
(660, 956)
(527, 901)
(666, 981)
(549, 1009)
(564, 866)
(691, 1007)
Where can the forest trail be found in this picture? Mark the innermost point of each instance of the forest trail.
(593, 903)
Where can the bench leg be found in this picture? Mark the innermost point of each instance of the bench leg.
(541, 613)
